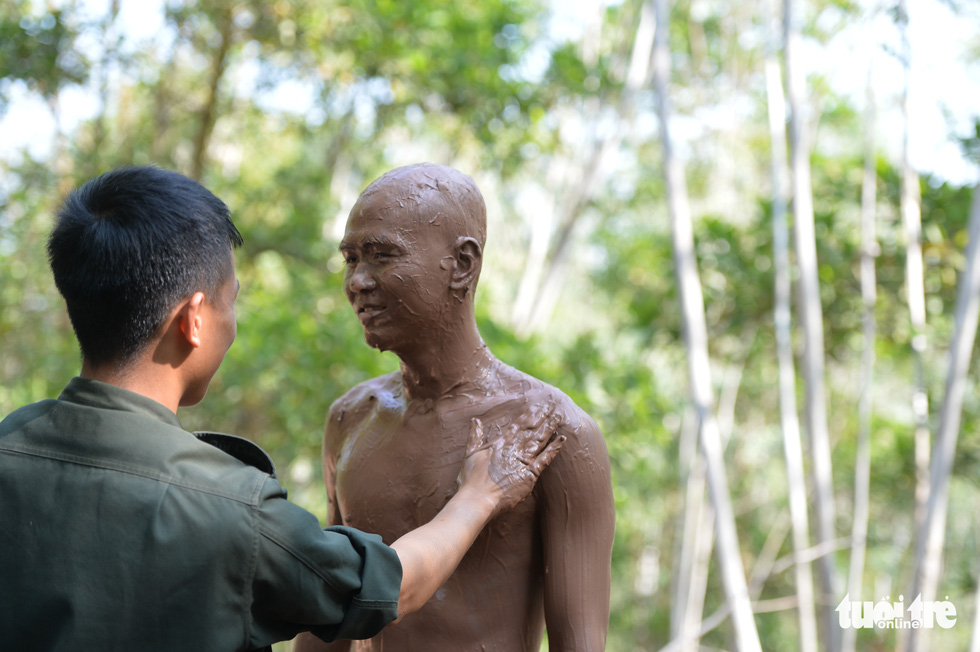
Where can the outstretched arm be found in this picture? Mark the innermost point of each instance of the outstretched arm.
(577, 518)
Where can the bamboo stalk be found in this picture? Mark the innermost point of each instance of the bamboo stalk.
(695, 335)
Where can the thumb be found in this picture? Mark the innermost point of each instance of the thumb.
(475, 441)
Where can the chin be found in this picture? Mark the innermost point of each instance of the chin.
(192, 399)
(194, 395)
(377, 341)
(382, 343)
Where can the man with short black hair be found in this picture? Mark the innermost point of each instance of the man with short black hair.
(122, 531)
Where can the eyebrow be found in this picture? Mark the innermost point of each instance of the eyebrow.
(376, 242)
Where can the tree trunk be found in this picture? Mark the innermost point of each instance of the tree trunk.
(862, 462)
(161, 108)
(930, 539)
(110, 44)
(975, 639)
(209, 112)
(914, 284)
(697, 525)
(699, 532)
(695, 335)
(692, 479)
(766, 565)
(792, 444)
(811, 315)
(533, 308)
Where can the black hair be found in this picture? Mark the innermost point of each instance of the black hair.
(127, 247)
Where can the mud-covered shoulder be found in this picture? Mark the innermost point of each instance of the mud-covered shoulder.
(582, 432)
(580, 475)
(357, 403)
(576, 422)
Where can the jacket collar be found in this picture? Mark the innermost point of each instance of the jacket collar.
(95, 393)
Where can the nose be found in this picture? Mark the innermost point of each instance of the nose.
(360, 279)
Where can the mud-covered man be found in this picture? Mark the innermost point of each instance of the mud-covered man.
(414, 249)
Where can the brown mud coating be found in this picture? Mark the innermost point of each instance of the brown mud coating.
(394, 445)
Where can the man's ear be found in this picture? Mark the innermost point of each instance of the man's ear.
(189, 316)
(469, 261)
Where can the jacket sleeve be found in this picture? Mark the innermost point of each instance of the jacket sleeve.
(337, 583)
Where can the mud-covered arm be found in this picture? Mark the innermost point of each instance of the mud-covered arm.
(577, 519)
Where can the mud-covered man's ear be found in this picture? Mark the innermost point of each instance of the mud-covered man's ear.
(468, 262)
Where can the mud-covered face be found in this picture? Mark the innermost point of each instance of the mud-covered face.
(399, 268)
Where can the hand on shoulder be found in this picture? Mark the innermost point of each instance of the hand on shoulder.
(508, 463)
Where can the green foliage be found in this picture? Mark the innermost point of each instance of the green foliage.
(388, 83)
(38, 50)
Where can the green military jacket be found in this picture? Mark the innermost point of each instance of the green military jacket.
(119, 530)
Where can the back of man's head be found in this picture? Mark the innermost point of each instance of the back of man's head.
(127, 247)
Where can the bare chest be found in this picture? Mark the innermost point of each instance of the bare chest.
(397, 469)
(395, 472)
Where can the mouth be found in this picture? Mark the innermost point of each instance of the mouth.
(368, 312)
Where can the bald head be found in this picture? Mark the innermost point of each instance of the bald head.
(413, 247)
(437, 195)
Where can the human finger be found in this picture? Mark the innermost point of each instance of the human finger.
(543, 433)
(538, 414)
(548, 453)
(475, 440)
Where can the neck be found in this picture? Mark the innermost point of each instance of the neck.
(151, 380)
(434, 369)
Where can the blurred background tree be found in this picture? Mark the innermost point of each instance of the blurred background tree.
(288, 109)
